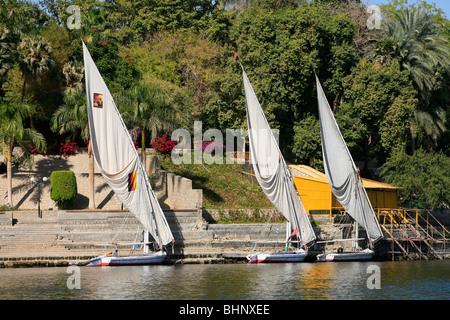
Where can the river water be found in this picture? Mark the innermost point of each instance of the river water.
(406, 280)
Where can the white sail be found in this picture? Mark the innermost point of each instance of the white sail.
(341, 172)
(117, 158)
(271, 170)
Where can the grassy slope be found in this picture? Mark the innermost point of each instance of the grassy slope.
(224, 185)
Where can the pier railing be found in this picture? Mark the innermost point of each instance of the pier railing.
(414, 231)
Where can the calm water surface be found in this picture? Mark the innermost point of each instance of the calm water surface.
(344, 280)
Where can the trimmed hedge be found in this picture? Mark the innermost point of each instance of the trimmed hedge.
(63, 188)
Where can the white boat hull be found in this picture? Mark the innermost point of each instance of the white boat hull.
(112, 260)
(362, 255)
(278, 257)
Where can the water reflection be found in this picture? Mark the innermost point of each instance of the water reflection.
(346, 280)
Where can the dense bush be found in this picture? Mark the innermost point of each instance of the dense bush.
(63, 189)
(424, 178)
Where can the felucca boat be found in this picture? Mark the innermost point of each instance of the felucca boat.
(345, 183)
(121, 167)
(276, 181)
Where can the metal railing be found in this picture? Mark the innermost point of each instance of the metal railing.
(415, 229)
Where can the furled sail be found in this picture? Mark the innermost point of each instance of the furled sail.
(271, 170)
(117, 158)
(341, 172)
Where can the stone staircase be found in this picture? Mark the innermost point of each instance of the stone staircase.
(29, 237)
(69, 236)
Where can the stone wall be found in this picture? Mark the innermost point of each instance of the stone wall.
(173, 192)
(213, 215)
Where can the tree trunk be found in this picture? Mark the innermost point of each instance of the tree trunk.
(91, 178)
(143, 156)
(9, 172)
(365, 171)
(413, 142)
(23, 88)
(23, 97)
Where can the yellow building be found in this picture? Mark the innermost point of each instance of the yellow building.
(317, 197)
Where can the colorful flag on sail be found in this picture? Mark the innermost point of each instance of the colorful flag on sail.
(236, 58)
(98, 100)
(132, 185)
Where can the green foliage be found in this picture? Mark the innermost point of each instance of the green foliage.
(307, 145)
(12, 129)
(242, 216)
(424, 177)
(117, 71)
(281, 48)
(417, 45)
(184, 59)
(383, 99)
(395, 99)
(140, 20)
(418, 36)
(351, 127)
(7, 207)
(63, 188)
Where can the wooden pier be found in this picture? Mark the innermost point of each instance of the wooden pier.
(414, 234)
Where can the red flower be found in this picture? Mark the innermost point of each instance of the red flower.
(67, 148)
(163, 144)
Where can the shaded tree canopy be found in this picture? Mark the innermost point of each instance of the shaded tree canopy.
(388, 87)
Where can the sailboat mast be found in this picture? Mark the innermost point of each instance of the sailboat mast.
(288, 234)
(146, 239)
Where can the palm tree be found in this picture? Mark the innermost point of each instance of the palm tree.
(72, 116)
(73, 73)
(413, 40)
(34, 59)
(7, 49)
(13, 132)
(433, 123)
(146, 109)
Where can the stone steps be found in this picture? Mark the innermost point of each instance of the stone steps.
(71, 234)
(62, 234)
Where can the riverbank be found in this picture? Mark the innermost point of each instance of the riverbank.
(62, 238)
